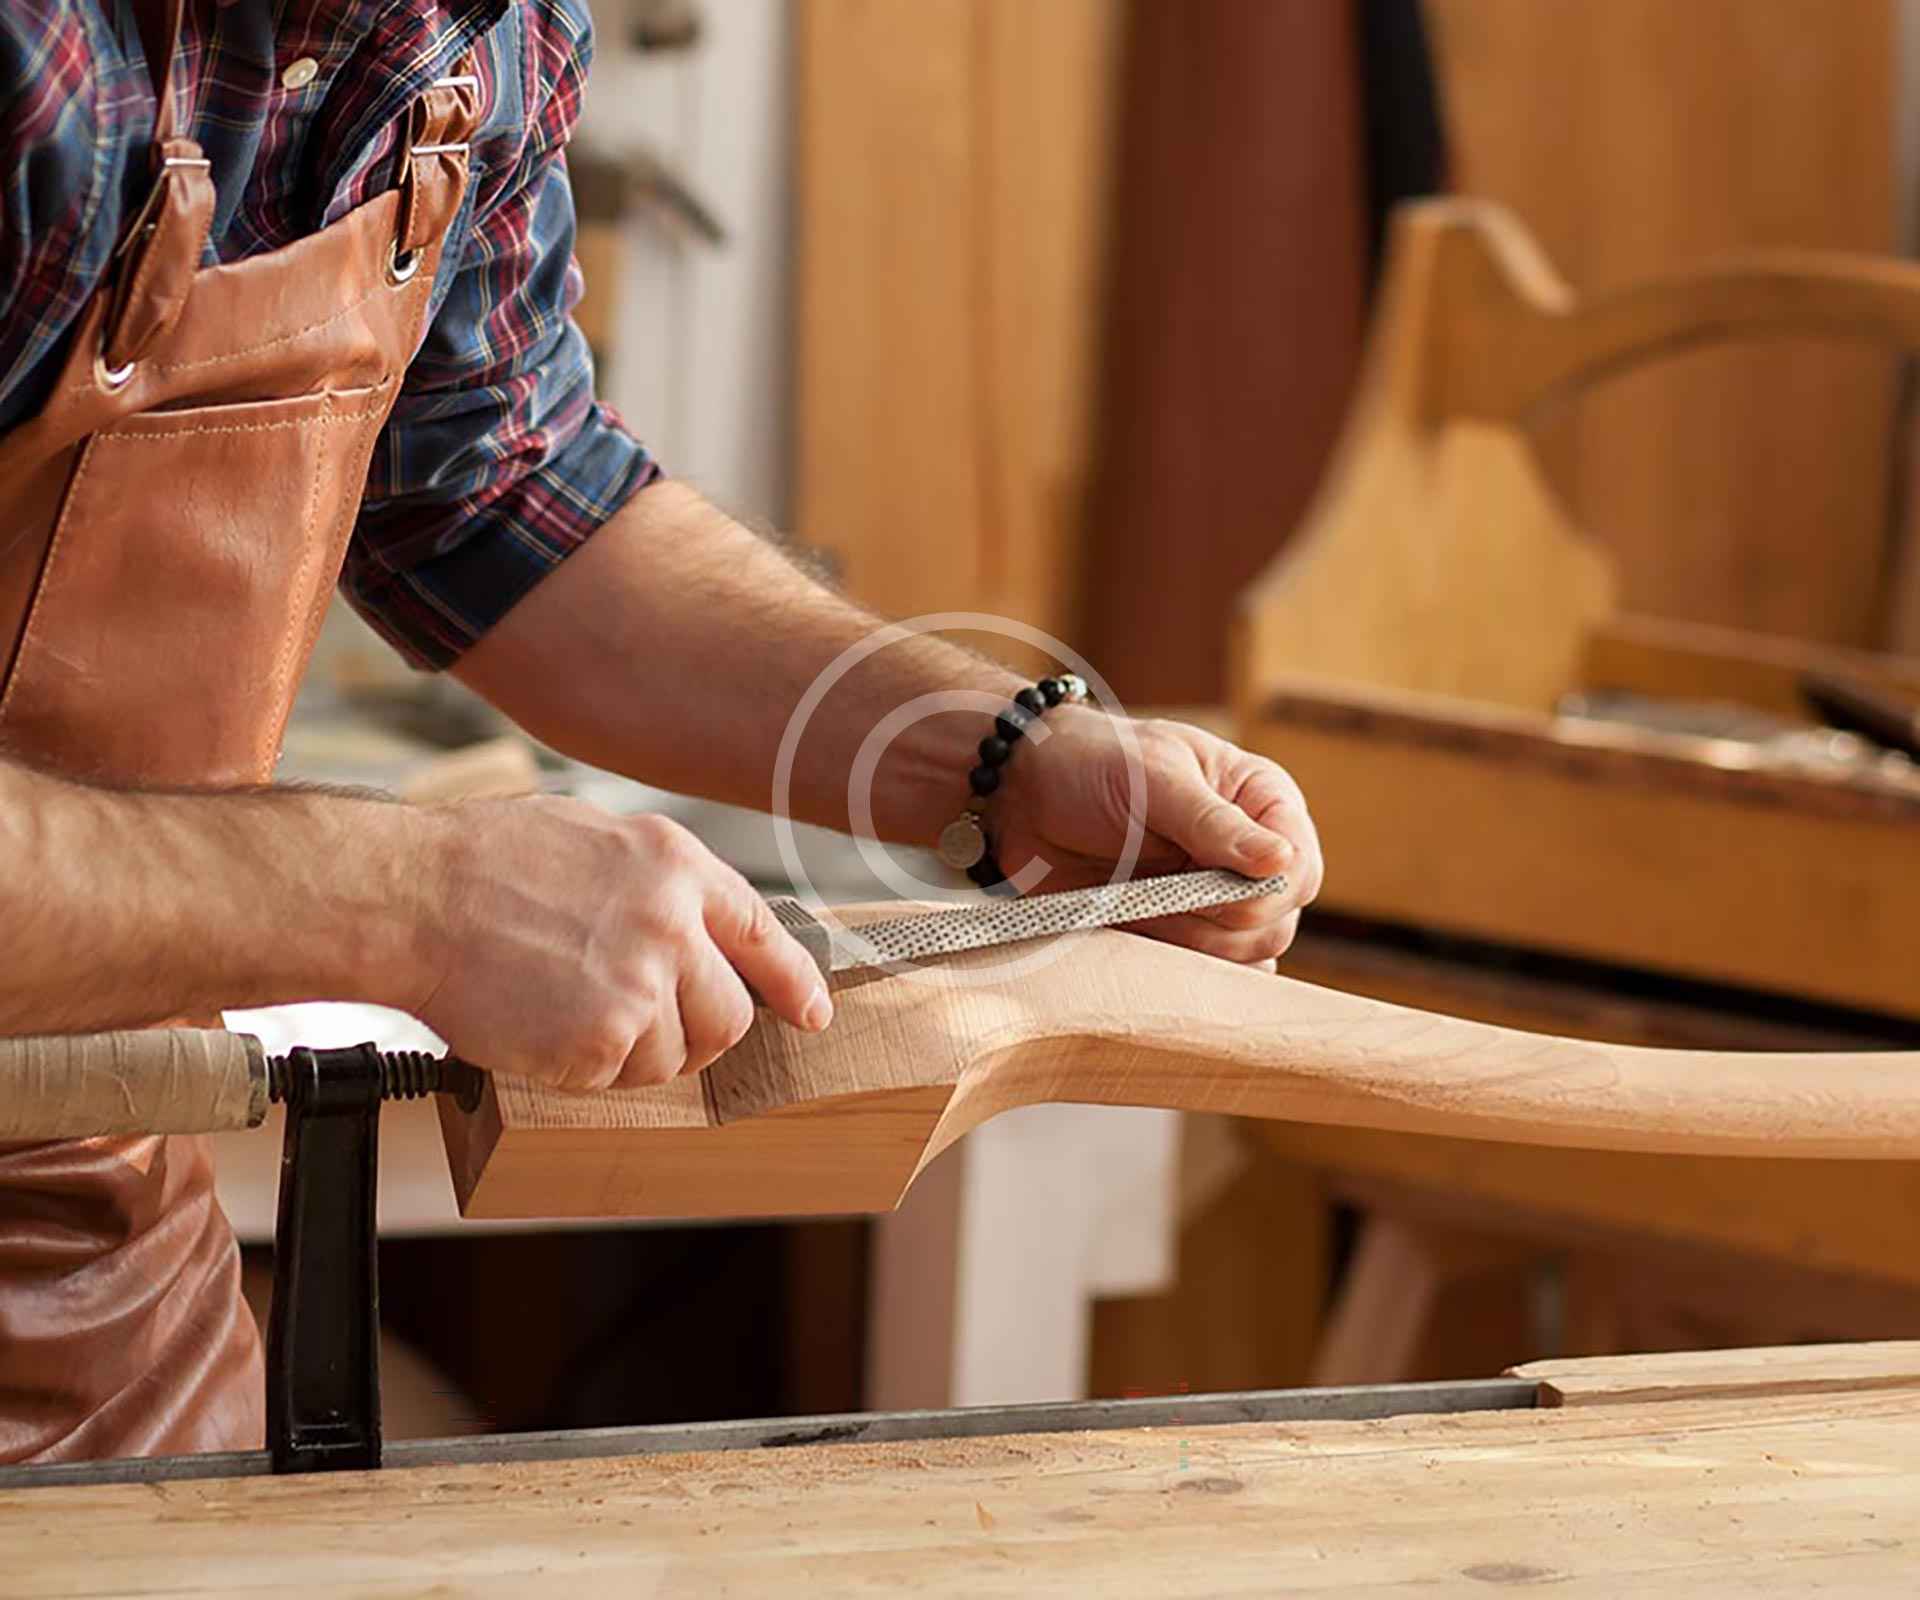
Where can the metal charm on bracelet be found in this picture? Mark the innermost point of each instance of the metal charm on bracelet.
(964, 844)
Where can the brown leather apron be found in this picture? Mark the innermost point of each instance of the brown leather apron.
(171, 525)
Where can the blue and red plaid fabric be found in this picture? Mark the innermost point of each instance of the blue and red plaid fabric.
(498, 462)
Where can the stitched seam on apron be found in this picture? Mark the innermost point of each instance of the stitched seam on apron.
(269, 344)
(246, 427)
(304, 639)
(46, 572)
(266, 751)
(309, 631)
(72, 495)
(252, 349)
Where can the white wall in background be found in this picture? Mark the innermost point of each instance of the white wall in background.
(700, 369)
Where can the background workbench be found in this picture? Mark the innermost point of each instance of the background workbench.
(1758, 1472)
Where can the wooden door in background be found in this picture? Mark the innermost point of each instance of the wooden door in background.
(1747, 486)
(951, 196)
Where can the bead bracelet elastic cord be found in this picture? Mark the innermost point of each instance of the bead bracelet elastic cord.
(963, 842)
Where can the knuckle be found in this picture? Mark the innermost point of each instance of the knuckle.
(1274, 780)
(600, 1077)
(598, 1051)
(720, 1027)
(650, 1062)
(758, 926)
(590, 1071)
(605, 1033)
(662, 836)
(648, 1070)
(643, 1009)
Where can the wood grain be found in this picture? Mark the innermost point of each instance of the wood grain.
(1757, 1496)
(794, 1123)
(1839, 1218)
(1726, 1374)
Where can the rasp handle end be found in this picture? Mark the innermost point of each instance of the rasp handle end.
(814, 935)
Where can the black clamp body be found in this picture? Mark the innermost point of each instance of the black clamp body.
(323, 1333)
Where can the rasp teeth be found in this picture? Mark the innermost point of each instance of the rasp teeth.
(903, 940)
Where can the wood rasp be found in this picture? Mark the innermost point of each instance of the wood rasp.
(901, 941)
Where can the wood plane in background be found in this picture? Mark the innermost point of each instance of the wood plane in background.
(843, 1121)
(1405, 655)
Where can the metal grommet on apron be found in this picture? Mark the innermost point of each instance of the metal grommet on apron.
(157, 638)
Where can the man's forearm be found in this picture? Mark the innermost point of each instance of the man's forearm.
(675, 647)
(122, 908)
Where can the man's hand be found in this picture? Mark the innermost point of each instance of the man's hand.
(595, 951)
(1066, 799)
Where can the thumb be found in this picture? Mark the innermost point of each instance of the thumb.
(1217, 833)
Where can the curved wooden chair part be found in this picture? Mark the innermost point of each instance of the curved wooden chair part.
(793, 1123)
(1437, 558)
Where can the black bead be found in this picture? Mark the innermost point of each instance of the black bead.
(1032, 699)
(1012, 723)
(986, 872)
(984, 779)
(1052, 690)
(995, 751)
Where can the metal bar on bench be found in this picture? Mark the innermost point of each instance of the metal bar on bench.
(1355, 1404)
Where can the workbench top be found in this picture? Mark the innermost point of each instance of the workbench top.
(1777, 1481)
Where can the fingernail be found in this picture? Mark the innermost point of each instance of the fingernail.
(1268, 851)
(819, 1012)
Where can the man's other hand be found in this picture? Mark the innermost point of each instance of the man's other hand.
(1066, 799)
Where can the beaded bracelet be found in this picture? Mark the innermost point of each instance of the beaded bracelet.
(963, 842)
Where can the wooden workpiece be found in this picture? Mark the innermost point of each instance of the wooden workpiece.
(1747, 1490)
(789, 1122)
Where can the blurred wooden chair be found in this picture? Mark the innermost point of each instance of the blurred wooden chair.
(1405, 657)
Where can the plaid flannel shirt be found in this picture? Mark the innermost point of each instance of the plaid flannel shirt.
(497, 462)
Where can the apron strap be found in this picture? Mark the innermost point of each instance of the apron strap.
(159, 255)
(159, 22)
(159, 252)
(433, 165)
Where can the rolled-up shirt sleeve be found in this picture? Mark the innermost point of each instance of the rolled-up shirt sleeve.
(498, 462)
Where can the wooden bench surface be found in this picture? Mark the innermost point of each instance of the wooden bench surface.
(1645, 1487)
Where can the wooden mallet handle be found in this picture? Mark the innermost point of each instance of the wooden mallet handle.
(156, 1080)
